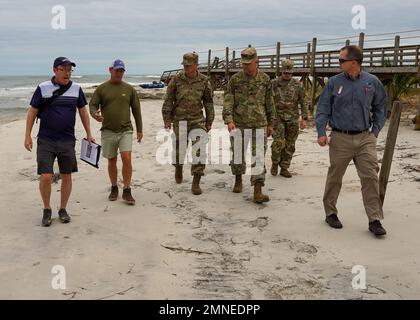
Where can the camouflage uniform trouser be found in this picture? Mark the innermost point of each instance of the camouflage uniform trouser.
(249, 136)
(284, 139)
(179, 155)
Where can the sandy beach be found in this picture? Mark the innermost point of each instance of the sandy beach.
(219, 245)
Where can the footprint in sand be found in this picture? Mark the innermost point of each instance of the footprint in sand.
(260, 223)
(29, 173)
(220, 185)
(304, 251)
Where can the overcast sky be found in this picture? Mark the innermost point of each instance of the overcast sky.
(151, 36)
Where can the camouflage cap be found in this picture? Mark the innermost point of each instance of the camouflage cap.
(189, 59)
(287, 65)
(248, 55)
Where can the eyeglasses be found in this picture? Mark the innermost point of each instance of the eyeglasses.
(341, 61)
(287, 73)
(65, 70)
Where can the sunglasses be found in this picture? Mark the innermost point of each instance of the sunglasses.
(341, 61)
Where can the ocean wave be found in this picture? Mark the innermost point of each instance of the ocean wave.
(12, 109)
(17, 92)
(149, 76)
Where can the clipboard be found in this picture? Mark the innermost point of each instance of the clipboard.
(91, 154)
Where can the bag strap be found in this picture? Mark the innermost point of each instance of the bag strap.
(59, 92)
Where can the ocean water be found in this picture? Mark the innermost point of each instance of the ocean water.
(16, 91)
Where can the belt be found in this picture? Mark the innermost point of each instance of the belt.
(351, 132)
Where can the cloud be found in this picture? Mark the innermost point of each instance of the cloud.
(152, 35)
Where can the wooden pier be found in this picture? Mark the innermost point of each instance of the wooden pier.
(314, 66)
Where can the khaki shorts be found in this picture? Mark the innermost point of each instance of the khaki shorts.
(114, 141)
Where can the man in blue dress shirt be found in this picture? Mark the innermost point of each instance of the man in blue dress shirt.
(353, 104)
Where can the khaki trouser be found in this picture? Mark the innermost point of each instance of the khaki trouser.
(360, 148)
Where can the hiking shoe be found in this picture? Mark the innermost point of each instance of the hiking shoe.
(127, 197)
(376, 228)
(333, 221)
(114, 193)
(64, 216)
(46, 218)
(285, 173)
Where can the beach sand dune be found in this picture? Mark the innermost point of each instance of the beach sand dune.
(218, 245)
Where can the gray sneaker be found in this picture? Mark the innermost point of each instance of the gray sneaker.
(64, 217)
(46, 218)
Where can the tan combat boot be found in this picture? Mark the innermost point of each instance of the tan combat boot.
(178, 174)
(274, 169)
(195, 187)
(285, 173)
(259, 197)
(237, 188)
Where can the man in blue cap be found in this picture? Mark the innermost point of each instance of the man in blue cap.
(55, 102)
(111, 104)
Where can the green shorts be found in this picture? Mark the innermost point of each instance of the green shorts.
(112, 141)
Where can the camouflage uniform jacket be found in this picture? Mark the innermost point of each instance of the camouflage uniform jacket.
(185, 99)
(248, 101)
(288, 95)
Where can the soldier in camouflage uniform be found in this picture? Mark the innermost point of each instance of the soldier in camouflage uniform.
(186, 95)
(249, 104)
(288, 95)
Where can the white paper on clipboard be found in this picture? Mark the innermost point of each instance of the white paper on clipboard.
(90, 153)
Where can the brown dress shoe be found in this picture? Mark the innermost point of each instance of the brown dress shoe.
(376, 228)
(333, 221)
(259, 197)
(114, 193)
(237, 188)
(178, 174)
(195, 187)
(127, 197)
(285, 173)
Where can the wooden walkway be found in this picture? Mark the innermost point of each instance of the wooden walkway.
(312, 64)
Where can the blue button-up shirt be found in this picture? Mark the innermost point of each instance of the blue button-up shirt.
(352, 104)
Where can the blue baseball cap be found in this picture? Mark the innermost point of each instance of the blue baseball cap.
(62, 61)
(118, 64)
